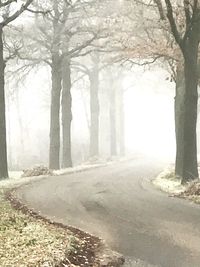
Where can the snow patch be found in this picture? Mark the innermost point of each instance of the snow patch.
(78, 168)
(168, 182)
(16, 179)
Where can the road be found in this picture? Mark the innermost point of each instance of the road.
(119, 203)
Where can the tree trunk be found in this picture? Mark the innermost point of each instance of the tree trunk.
(179, 126)
(9, 144)
(21, 155)
(94, 111)
(3, 143)
(113, 136)
(121, 122)
(66, 114)
(188, 167)
(54, 153)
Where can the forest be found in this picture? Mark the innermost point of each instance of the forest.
(98, 110)
(88, 45)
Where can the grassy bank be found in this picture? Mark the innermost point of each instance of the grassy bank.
(168, 182)
(25, 241)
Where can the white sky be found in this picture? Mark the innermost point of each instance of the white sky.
(149, 105)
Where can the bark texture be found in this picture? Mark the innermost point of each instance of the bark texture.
(54, 152)
(190, 167)
(3, 143)
(179, 116)
(66, 114)
(186, 104)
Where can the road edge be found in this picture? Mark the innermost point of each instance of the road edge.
(103, 256)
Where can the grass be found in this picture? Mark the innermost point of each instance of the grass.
(25, 241)
(167, 181)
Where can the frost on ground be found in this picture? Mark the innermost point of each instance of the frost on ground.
(24, 241)
(192, 192)
(17, 178)
(78, 168)
(33, 242)
(168, 182)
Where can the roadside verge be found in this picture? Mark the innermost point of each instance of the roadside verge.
(34, 240)
(168, 182)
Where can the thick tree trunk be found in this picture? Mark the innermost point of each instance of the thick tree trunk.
(3, 143)
(54, 152)
(66, 114)
(94, 111)
(113, 135)
(186, 165)
(179, 126)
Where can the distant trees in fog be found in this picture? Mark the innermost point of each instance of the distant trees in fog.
(96, 40)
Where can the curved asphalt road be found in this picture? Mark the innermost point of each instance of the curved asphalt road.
(118, 203)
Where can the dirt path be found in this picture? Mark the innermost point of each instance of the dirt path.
(119, 204)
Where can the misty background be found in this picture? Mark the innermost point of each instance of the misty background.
(149, 117)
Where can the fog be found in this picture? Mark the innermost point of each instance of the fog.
(149, 117)
(97, 65)
(90, 82)
(99, 124)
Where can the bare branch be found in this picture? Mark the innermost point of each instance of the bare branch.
(16, 14)
(38, 11)
(160, 9)
(8, 2)
(173, 25)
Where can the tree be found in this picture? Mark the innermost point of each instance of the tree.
(92, 71)
(121, 118)
(61, 35)
(8, 17)
(153, 42)
(94, 106)
(66, 113)
(112, 90)
(187, 36)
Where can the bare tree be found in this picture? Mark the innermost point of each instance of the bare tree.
(187, 36)
(173, 35)
(92, 71)
(8, 17)
(63, 34)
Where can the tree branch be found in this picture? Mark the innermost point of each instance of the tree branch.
(173, 25)
(160, 9)
(16, 14)
(8, 2)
